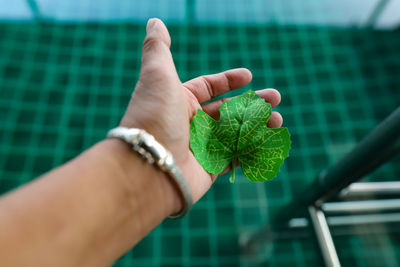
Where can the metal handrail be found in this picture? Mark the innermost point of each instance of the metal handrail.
(376, 148)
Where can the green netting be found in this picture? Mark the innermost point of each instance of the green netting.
(62, 86)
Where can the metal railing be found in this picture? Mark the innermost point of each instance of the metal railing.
(338, 184)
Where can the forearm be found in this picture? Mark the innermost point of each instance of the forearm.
(87, 212)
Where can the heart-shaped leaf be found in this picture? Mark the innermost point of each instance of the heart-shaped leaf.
(240, 134)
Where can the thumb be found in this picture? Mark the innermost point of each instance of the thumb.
(157, 62)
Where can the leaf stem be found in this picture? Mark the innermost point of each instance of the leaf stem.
(232, 179)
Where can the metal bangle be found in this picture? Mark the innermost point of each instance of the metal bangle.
(146, 145)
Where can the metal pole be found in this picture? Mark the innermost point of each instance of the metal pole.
(357, 163)
(363, 206)
(324, 237)
(354, 165)
(351, 220)
(350, 168)
(377, 11)
(375, 189)
(34, 9)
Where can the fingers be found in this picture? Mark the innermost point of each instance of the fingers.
(157, 62)
(206, 87)
(275, 121)
(271, 96)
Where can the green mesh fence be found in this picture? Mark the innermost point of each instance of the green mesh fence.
(62, 86)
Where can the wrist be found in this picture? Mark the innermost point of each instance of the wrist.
(134, 173)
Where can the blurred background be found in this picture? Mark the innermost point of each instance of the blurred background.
(67, 69)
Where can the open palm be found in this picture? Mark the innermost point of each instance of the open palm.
(164, 106)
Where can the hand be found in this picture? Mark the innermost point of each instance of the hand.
(164, 106)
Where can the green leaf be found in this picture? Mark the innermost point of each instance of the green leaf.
(240, 134)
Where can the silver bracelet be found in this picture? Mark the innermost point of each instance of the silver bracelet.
(145, 144)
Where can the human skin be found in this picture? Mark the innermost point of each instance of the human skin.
(91, 210)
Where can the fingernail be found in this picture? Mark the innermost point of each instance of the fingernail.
(151, 24)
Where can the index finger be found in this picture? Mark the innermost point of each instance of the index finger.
(206, 87)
